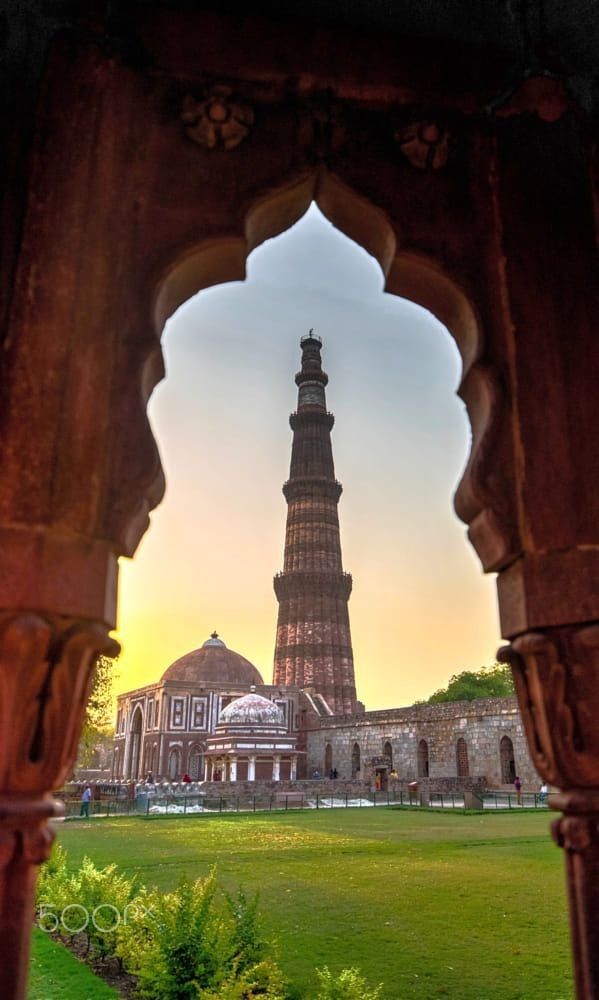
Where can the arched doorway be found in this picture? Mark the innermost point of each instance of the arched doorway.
(135, 735)
(355, 761)
(507, 760)
(195, 767)
(174, 764)
(328, 760)
(461, 753)
(422, 763)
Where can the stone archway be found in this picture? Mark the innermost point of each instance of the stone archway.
(507, 760)
(461, 753)
(467, 215)
(195, 765)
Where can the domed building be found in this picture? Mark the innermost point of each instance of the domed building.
(252, 743)
(167, 727)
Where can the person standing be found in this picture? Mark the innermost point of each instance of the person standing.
(85, 800)
(543, 794)
(518, 787)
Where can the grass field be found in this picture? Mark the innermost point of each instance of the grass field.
(55, 974)
(469, 906)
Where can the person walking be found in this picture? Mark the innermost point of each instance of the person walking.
(85, 800)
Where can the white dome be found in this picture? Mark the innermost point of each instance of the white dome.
(251, 710)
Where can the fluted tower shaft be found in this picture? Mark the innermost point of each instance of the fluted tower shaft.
(313, 645)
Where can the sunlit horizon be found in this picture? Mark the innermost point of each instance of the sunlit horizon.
(421, 609)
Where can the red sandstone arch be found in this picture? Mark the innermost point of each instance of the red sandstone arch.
(491, 255)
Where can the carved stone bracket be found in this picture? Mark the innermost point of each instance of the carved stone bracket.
(555, 674)
(46, 669)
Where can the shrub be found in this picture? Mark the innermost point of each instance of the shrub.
(348, 985)
(105, 895)
(172, 942)
(90, 901)
(261, 981)
(183, 945)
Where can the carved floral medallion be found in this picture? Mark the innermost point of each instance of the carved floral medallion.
(219, 119)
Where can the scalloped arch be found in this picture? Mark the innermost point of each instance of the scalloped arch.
(408, 274)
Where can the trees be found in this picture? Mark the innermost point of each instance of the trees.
(98, 714)
(489, 682)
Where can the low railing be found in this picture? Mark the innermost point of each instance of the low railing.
(157, 804)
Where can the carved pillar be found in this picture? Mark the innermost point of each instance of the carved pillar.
(252, 767)
(276, 768)
(46, 669)
(233, 769)
(555, 673)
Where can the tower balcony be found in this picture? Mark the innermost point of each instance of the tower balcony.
(312, 486)
(313, 584)
(311, 415)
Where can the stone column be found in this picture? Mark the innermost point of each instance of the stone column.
(276, 767)
(233, 769)
(252, 767)
(46, 670)
(293, 775)
(555, 672)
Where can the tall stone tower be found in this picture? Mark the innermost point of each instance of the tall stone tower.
(313, 646)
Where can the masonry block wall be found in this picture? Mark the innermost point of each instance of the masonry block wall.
(482, 724)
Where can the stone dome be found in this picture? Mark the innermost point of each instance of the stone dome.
(251, 710)
(213, 664)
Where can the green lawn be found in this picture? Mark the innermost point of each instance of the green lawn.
(470, 906)
(55, 974)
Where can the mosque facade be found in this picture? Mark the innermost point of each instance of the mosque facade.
(211, 717)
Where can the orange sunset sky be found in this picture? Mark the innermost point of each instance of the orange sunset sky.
(421, 608)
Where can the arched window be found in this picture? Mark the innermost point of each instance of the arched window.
(115, 763)
(196, 763)
(388, 753)
(174, 764)
(355, 760)
(508, 764)
(154, 766)
(423, 759)
(328, 760)
(461, 753)
(135, 751)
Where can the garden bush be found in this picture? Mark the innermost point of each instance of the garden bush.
(348, 985)
(187, 944)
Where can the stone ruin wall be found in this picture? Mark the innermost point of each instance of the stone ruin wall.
(481, 723)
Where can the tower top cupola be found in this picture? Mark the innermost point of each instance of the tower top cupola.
(311, 380)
